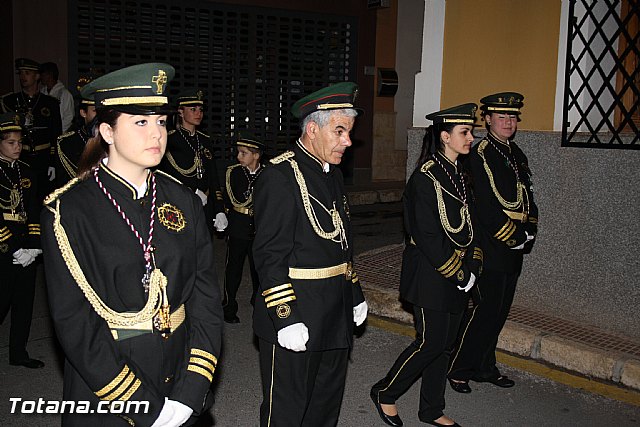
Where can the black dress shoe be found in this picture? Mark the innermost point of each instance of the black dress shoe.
(460, 387)
(232, 319)
(501, 381)
(28, 363)
(392, 420)
(433, 423)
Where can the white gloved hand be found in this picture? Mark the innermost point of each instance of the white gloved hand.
(23, 257)
(529, 237)
(221, 221)
(360, 313)
(294, 337)
(470, 284)
(51, 172)
(173, 414)
(34, 252)
(203, 197)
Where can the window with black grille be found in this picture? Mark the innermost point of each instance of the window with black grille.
(602, 94)
(251, 63)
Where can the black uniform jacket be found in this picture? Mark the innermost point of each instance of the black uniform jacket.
(40, 137)
(69, 148)
(238, 198)
(494, 178)
(19, 224)
(436, 261)
(179, 160)
(144, 367)
(285, 238)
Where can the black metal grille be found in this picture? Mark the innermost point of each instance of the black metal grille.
(602, 99)
(251, 63)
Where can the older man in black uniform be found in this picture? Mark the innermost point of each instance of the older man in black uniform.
(19, 240)
(42, 123)
(507, 220)
(309, 296)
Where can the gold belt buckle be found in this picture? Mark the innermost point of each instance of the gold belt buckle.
(349, 271)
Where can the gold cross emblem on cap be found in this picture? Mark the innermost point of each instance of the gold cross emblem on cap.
(160, 81)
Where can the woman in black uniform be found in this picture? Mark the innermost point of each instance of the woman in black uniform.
(440, 265)
(129, 266)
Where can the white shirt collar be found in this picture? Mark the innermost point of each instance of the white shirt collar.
(140, 191)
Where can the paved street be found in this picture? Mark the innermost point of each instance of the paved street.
(533, 402)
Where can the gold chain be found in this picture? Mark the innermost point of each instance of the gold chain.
(512, 206)
(232, 197)
(465, 217)
(14, 199)
(66, 163)
(185, 172)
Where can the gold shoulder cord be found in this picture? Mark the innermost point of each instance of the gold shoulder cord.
(66, 163)
(185, 172)
(232, 197)
(14, 199)
(157, 284)
(512, 206)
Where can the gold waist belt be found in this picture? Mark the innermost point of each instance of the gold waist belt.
(14, 217)
(245, 211)
(121, 332)
(322, 273)
(37, 147)
(518, 216)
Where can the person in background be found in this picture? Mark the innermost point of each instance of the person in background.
(507, 226)
(129, 264)
(240, 180)
(440, 265)
(189, 159)
(309, 297)
(19, 240)
(50, 85)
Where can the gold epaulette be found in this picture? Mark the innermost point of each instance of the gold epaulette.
(203, 134)
(282, 157)
(60, 191)
(482, 145)
(171, 132)
(425, 167)
(232, 167)
(163, 173)
(66, 134)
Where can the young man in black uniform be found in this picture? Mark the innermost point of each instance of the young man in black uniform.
(42, 123)
(19, 240)
(240, 180)
(507, 222)
(309, 296)
(189, 159)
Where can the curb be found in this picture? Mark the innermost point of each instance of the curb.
(619, 368)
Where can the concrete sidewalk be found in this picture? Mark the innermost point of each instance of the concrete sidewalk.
(580, 348)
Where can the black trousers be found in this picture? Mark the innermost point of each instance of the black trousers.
(237, 251)
(475, 356)
(17, 289)
(428, 358)
(301, 389)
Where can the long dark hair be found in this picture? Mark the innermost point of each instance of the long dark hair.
(97, 148)
(432, 142)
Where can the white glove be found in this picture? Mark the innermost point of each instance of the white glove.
(529, 237)
(470, 284)
(203, 197)
(34, 252)
(51, 172)
(294, 337)
(23, 257)
(221, 221)
(173, 414)
(360, 313)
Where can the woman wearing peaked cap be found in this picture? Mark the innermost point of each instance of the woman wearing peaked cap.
(439, 266)
(129, 266)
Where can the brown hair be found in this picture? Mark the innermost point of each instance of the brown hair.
(97, 148)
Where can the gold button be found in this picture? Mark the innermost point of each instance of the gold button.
(168, 379)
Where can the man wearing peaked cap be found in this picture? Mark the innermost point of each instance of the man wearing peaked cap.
(130, 270)
(41, 120)
(507, 224)
(189, 158)
(240, 180)
(309, 299)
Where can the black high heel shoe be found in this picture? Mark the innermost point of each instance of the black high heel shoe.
(392, 420)
(433, 423)
(460, 386)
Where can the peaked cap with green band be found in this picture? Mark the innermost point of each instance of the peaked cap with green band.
(190, 97)
(27, 64)
(502, 102)
(139, 89)
(335, 97)
(246, 139)
(10, 122)
(464, 114)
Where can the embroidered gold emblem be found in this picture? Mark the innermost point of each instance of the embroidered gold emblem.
(207, 153)
(45, 112)
(283, 311)
(160, 81)
(511, 242)
(460, 275)
(16, 119)
(4, 248)
(25, 182)
(171, 217)
(199, 95)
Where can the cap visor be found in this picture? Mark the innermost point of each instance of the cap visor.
(144, 110)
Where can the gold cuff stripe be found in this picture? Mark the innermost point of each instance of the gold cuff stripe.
(202, 362)
(282, 294)
(450, 272)
(136, 100)
(448, 263)
(201, 371)
(132, 390)
(114, 383)
(478, 254)
(204, 354)
(506, 231)
(276, 289)
(281, 301)
(122, 388)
